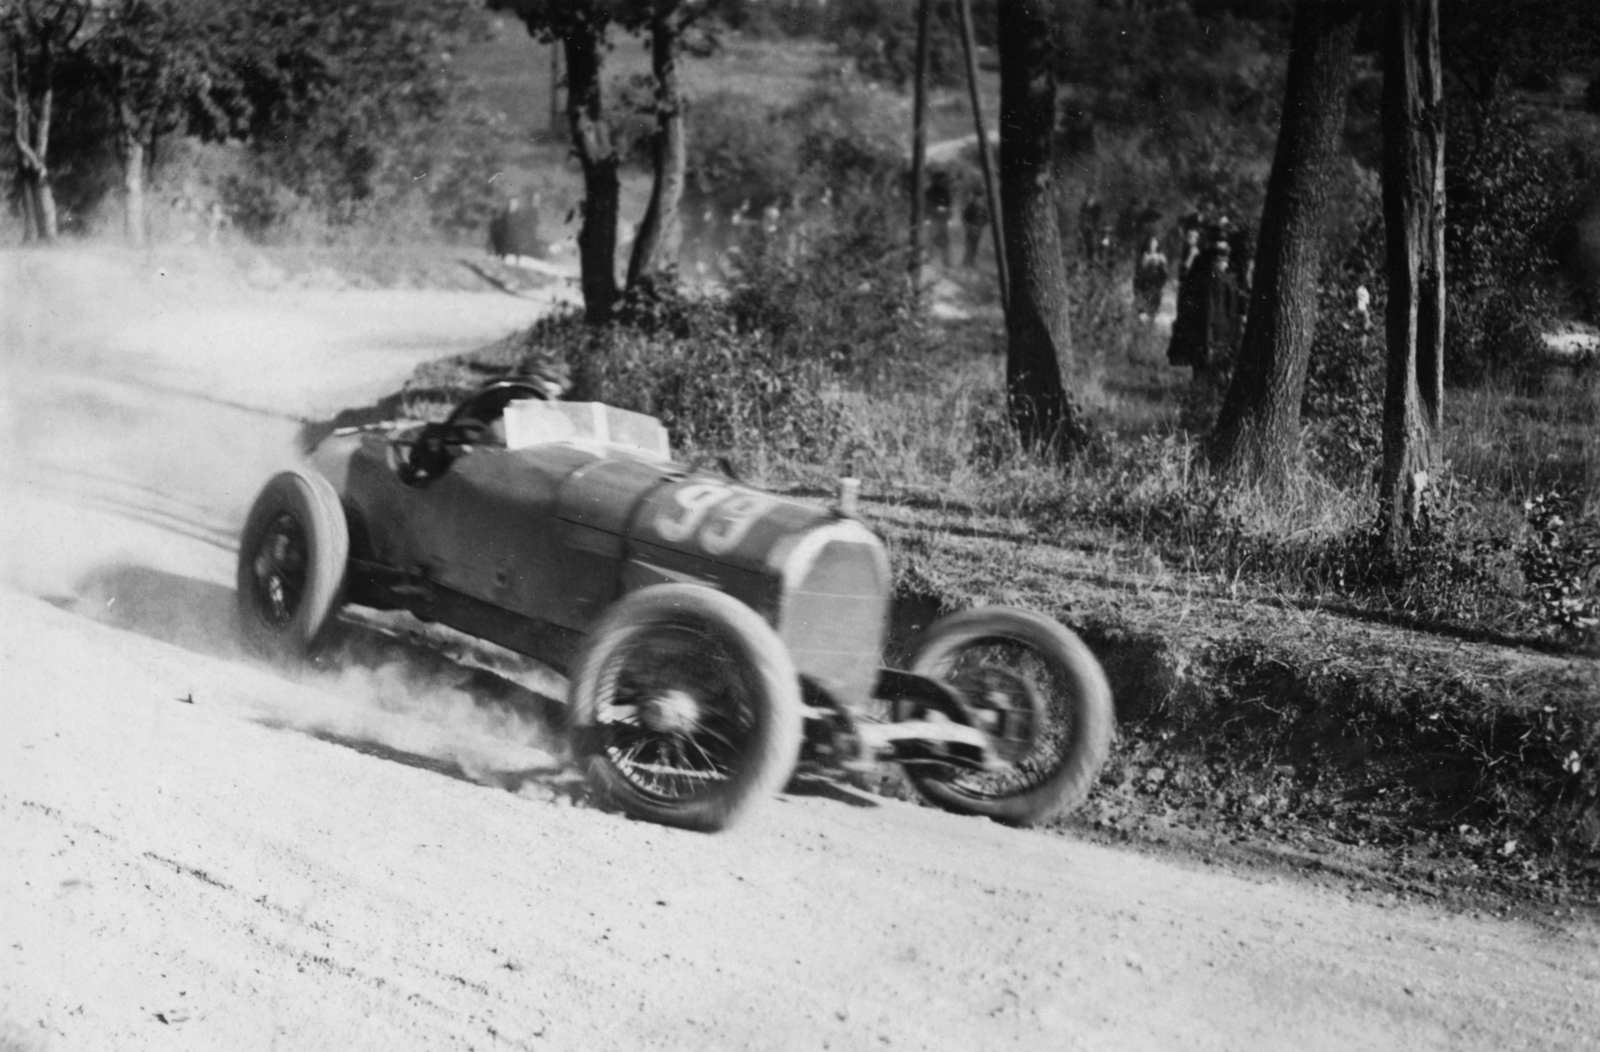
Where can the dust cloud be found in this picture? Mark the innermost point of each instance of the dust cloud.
(143, 402)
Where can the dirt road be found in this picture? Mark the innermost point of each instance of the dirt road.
(197, 852)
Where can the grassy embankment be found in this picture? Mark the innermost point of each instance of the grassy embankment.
(1260, 701)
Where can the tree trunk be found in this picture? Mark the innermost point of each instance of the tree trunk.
(132, 154)
(597, 156)
(1258, 431)
(29, 196)
(556, 77)
(44, 202)
(1413, 214)
(1038, 327)
(660, 236)
(32, 136)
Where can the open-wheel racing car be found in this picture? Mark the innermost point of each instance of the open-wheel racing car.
(711, 633)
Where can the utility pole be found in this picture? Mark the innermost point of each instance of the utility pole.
(990, 188)
(919, 139)
(557, 122)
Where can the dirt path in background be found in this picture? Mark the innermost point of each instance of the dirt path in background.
(196, 852)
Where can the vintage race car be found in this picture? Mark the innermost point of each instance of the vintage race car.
(711, 633)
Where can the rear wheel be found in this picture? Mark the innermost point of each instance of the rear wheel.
(687, 707)
(1043, 700)
(292, 558)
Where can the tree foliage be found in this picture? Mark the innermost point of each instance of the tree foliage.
(356, 106)
(40, 37)
(161, 67)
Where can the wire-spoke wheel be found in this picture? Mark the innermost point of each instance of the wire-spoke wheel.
(292, 557)
(688, 706)
(1042, 698)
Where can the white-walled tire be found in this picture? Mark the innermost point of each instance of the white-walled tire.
(293, 552)
(1024, 670)
(687, 707)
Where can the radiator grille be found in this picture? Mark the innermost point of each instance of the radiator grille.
(833, 617)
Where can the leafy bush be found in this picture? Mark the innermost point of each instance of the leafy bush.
(775, 18)
(1343, 407)
(717, 388)
(738, 151)
(359, 115)
(1560, 561)
(840, 136)
(843, 299)
(1512, 199)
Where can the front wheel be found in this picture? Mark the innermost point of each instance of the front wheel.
(1042, 698)
(292, 558)
(687, 706)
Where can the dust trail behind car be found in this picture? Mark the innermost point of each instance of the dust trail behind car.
(142, 400)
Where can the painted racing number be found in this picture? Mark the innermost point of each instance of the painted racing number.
(721, 514)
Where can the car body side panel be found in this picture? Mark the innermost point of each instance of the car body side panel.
(378, 503)
(595, 505)
(721, 522)
(488, 533)
(555, 533)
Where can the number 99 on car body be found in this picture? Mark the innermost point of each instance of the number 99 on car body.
(713, 635)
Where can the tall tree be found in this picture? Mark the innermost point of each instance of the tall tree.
(157, 62)
(1038, 326)
(660, 234)
(1413, 214)
(581, 28)
(1258, 430)
(39, 35)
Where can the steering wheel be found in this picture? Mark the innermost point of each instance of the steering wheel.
(489, 404)
(431, 452)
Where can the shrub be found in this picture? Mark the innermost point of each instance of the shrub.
(841, 136)
(1513, 197)
(738, 150)
(717, 389)
(842, 298)
(1560, 561)
(1343, 406)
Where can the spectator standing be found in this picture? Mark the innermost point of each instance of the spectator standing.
(1241, 246)
(974, 221)
(1189, 227)
(1150, 278)
(514, 232)
(216, 221)
(1188, 344)
(1224, 312)
(941, 201)
(1091, 227)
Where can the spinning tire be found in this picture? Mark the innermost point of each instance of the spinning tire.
(1019, 669)
(687, 707)
(292, 558)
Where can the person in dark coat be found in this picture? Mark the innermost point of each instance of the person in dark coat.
(1091, 228)
(1188, 343)
(1224, 312)
(974, 221)
(514, 232)
(941, 200)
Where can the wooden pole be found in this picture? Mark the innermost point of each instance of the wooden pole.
(991, 190)
(919, 138)
(557, 123)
